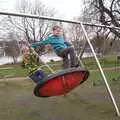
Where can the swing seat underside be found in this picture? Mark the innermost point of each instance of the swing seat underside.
(61, 82)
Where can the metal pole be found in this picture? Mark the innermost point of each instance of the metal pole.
(55, 19)
(102, 73)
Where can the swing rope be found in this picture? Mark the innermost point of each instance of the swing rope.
(28, 46)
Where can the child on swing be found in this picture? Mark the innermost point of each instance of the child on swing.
(61, 47)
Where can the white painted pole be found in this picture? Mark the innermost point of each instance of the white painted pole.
(101, 70)
(54, 19)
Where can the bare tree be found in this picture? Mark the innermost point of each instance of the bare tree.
(1, 51)
(33, 29)
(75, 35)
(11, 47)
(105, 12)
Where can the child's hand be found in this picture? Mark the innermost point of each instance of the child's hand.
(48, 47)
(25, 50)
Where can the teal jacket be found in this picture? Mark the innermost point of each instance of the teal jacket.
(57, 42)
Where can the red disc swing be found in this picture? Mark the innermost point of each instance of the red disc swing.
(61, 82)
(58, 83)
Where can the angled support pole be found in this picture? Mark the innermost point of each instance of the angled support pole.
(101, 70)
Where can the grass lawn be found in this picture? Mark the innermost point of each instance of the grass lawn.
(89, 101)
(18, 71)
(90, 63)
(86, 102)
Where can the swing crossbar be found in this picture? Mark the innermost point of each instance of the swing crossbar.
(55, 19)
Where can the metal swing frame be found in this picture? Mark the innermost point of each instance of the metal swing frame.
(87, 39)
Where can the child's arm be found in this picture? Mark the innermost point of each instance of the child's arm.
(68, 43)
(34, 45)
(43, 42)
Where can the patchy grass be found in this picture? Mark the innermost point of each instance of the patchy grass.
(12, 70)
(106, 61)
(86, 102)
(17, 70)
(95, 75)
(89, 101)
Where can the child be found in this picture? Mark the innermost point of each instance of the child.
(30, 63)
(61, 47)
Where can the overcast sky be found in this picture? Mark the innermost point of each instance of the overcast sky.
(66, 8)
